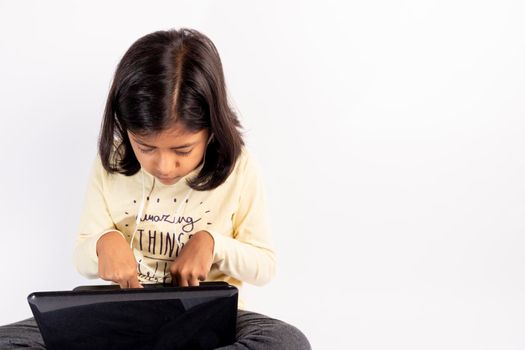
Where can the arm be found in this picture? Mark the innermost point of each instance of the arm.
(101, 250)
(249, 255)
(95, 221)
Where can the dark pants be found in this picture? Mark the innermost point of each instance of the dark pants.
(254, 331)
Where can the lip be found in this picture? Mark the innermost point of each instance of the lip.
(168, 179)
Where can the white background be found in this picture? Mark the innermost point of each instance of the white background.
(390, 134)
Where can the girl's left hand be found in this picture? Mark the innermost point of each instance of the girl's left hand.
(194, 260)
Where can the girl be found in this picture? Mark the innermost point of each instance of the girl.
(174, 196)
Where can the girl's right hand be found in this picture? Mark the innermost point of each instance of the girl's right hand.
(116, 261)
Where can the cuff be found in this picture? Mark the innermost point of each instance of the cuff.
(219, 246)
(87, 251)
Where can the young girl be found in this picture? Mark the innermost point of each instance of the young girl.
(174, 195)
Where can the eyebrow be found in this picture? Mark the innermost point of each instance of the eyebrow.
(186, 145)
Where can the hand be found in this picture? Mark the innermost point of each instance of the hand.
(194, 260)
(116, 261)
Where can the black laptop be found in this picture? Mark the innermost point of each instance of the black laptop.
(155, 317)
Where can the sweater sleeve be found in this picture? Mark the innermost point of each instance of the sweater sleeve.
(95, 221)
(247, 256)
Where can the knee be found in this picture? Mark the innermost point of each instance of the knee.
(291, 338)
(256, 331)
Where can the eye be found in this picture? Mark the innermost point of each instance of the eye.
(146, 150)
(183, 154)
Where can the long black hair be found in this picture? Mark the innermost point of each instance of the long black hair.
(169, 76)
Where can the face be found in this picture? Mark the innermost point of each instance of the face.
(170, 154)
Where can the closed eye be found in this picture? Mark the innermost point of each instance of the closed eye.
(146, 150)
(183, 154)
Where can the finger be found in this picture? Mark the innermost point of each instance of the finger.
(202, 277)
(193, 281)
(123, 283)
(174, 280)
(183, 282)
(173, 270)
(134, 283)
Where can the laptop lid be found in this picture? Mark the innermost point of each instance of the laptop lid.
(155, 317)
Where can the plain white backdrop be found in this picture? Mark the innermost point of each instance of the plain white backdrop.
(390, 135)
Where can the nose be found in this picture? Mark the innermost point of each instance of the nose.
(167, 165)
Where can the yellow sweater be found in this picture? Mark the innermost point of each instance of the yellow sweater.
(233, 213)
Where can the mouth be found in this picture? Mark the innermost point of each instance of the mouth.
(168, 180)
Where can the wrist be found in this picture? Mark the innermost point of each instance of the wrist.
(206, 238)
(109, 238)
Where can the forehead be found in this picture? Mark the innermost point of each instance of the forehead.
(175, 135)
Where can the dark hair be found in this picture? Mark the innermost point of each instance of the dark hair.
(169, 76)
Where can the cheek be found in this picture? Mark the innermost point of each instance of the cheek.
(144, 160)
(188, 164)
